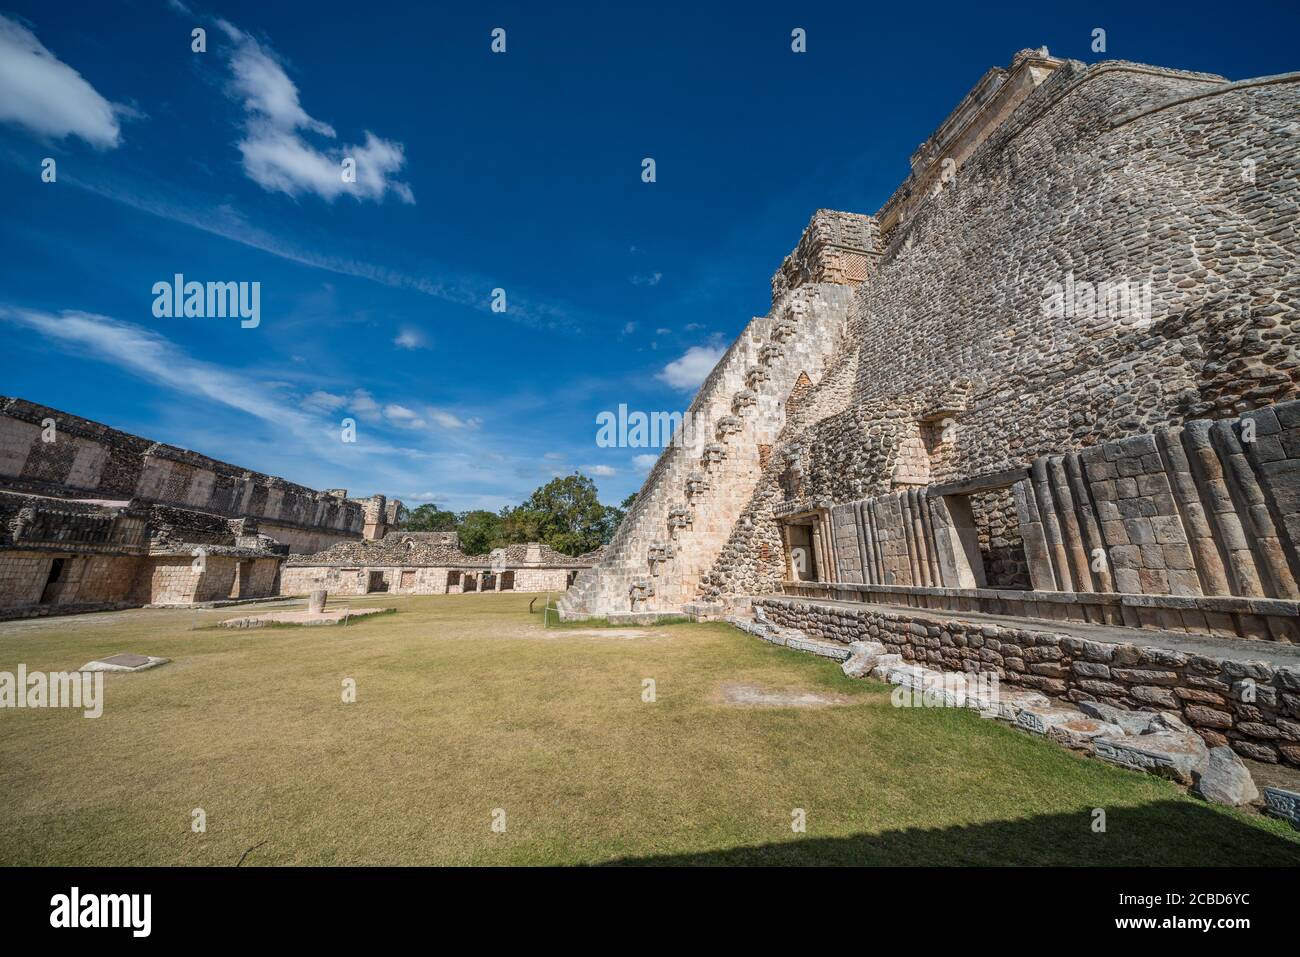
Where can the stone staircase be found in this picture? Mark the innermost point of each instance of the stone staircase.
(697, 490)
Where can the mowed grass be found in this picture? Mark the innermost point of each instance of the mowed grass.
(466, 704)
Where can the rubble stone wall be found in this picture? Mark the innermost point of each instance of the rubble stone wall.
(1253, 706)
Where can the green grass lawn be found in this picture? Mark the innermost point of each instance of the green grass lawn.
(466, 704)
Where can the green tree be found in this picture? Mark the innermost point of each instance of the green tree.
(429, 518)
(480, 532)
(567, 515)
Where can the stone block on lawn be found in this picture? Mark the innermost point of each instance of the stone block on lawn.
(863, 656)
(1283, 803)
(827, 649)
(1170, 754)
(1225, 780)
(1078, 731)
(124, 662)
(884, 664)
(1010, 702)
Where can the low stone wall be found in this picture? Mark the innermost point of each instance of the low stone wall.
(1265, 619)
(1253, 706)
(406, 580)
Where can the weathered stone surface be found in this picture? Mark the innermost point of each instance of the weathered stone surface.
(864, 655)
(1283, 803)
(125, 663)
(1167, 753)
(1223, 779)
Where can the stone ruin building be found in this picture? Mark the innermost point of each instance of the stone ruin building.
(1052, 381)
(92, 518)
(429, 563)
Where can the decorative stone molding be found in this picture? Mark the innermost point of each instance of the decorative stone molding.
(728, 426)
(770, 353)
(696, 484)
(744, 399)
(755, 376)
(713, 454)
(784, 329)
(679, 517)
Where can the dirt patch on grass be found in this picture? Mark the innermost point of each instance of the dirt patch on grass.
(601, 633)
(753, 696)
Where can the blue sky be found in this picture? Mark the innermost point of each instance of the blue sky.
(518, 171)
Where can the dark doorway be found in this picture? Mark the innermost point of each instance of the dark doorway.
(376, 582)
(51, 591)
(507, 581)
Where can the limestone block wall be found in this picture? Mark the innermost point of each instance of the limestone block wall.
(23, 576)
(170, 581)
(1252, 706)
(1182, 184)
(304, 579)
(685, 511)
(541, 579)
(1190, 510)
(88, 459)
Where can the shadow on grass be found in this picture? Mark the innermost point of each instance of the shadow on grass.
(1165, 833)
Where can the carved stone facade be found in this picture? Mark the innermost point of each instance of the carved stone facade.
(92, 517)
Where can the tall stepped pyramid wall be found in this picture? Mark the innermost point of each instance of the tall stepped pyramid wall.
(962, 348)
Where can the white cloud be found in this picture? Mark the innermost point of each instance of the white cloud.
(600, 471)
(692, 367)
(325, 401)
(277, 156)
(44, 94)
(364, 405)
(645, 462)
(410, 338)
(449, 420)
(647, 279)
(400, 415)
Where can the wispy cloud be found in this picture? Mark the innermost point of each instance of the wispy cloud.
(42, 93)
(276, 152)
(223, 220)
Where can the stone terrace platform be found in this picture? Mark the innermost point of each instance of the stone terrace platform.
(1239, 692)
(1277, 654)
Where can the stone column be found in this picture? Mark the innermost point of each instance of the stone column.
(1037, 554)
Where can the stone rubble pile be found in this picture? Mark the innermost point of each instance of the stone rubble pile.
(1158, 742)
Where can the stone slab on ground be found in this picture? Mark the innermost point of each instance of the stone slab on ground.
(738, 693)
(1283, 803)
(1167, 753)
(125, 662)
(827, 649)
(333, 616)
